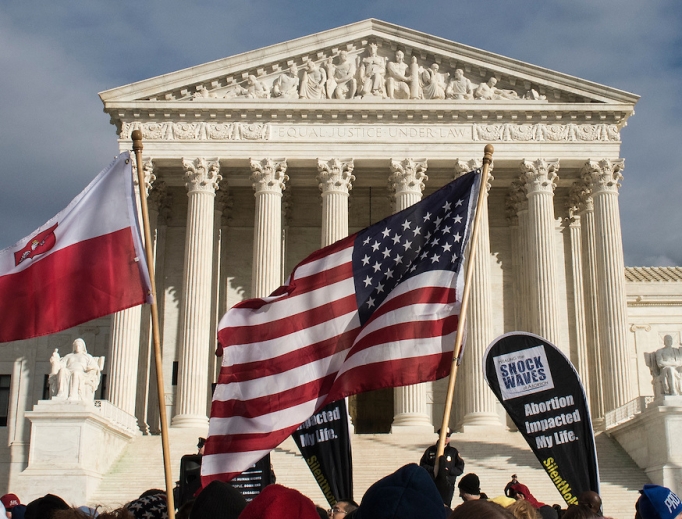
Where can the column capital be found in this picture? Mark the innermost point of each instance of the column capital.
(202, 175)
(579, 198)
(269, 175)
(463, 167)
(540, 175)
(335, 175)
(407, 176)
(147, 169)
(604, 176)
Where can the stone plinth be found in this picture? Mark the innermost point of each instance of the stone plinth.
(73, 444)
(651, 438)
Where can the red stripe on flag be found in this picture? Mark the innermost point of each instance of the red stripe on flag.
(78, 283)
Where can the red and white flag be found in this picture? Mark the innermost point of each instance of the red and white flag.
(86, 262)
(377, 309)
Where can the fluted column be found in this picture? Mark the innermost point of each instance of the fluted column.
(517, 203)
(591, 290)
(335, 178)
(605, 177)
(541, 176)
(202, 177)
(268, 177)
(574, 224)
(406, 184)
(480, 404)
(125, 331)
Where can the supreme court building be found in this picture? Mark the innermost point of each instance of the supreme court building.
(256, 160)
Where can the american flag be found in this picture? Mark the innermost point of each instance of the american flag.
(377, 309)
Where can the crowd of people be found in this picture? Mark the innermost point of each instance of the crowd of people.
(409, 493)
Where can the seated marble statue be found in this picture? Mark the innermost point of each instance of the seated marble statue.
(313, 84)
(398, 80)
(434, 83)
(256, 89)
(286, 85)
(372, 73)
(75, 376)
(341, 82)
(669, 364)
(488, 90)
(459, 87)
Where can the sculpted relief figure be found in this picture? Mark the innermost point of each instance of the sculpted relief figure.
(488, 90)
(75, 376)
(666, 368)
(434, 83)
(459, 87)
(398, 78)
(341, 83)
(286, 85)
(256, 89)
(313, 84)
(372, 73)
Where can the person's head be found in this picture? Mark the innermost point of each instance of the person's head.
(399, 56)
(341, 509)
(435, 67)
(480, 509)
(200, 445)
(448, 433)
(373, 47)
(45, 506)
(459, 73)
(293, 69)
(591, 500)
(522, 509)
(79, 346)
(579, 512)
(277, 502)
(657, 502)
(343, 55)
(492, 81)
(9, 501)
(668, 341)
(152, 506)
(469, 487)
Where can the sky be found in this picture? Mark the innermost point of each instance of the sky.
(55, 57)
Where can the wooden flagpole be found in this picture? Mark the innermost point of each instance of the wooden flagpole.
(487, 160)
(137, 148)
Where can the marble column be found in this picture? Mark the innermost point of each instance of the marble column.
(573, 222)
(605, 177)
(202, 177)
(517, 204)
(335, 178)
(406, 184)
(590, 289)
(125, 331)
(541, 177)
(480, 404)
(268, 177)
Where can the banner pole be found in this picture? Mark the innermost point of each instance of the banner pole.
(137, 148)
(487, 160)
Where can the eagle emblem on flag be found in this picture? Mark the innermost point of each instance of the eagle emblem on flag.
(39, 244)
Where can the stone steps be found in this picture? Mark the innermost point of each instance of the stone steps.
(492, 454)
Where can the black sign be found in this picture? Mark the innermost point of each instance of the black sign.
(254, 479)
(540, 389)
(324, 442)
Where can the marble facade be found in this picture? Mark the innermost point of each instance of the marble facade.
(255, 161)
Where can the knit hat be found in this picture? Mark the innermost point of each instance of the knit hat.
(658, 502)
(218, 500)
(408, 493)
(275, 502)
(149, 507)
(470, 484)
(18, 512)
(9, 501)
(44, 506)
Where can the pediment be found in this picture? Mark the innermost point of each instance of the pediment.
(359, 61)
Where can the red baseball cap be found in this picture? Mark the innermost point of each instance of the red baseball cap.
(10, 501)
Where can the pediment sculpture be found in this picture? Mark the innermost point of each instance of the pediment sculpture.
(75, 376)
(366, 74)
(665, 365)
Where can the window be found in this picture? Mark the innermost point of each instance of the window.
(5, 383)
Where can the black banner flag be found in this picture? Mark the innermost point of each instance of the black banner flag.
(324, 442)
(540, 389)
(253, 480)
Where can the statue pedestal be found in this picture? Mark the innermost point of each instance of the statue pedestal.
(73, 444)
(652, 439)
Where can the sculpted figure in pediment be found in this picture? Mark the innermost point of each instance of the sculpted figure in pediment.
(313, 84)
(398, 78)
(286, 85)
(341, 82)
(488, 90)
(459, 87)
(434, 83)
(373, 73)
(256, 89)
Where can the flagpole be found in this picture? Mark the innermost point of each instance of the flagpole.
(137, 148)
(487, 160)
